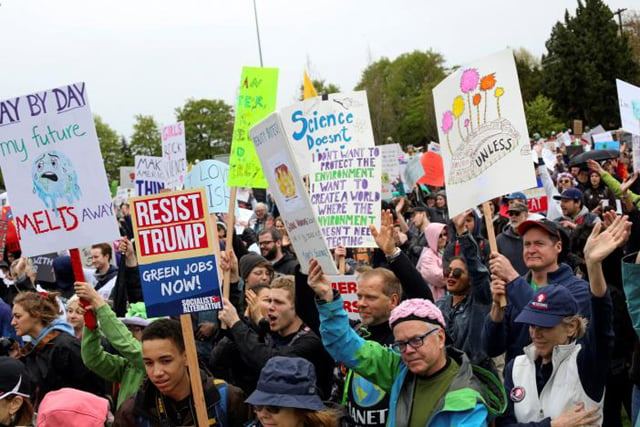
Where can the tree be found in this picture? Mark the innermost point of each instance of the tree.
(110, 148)
(585, 56)
(631, 26)
(125, 149)
(400, 99)
(208, 127)
(529, 74)
(540, 118)
(321, 86)
(145, 140)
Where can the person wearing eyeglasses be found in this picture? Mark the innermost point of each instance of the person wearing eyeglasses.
(286, 396)
(429, 384)
(468, 298)
(270, 243)
(16, 408)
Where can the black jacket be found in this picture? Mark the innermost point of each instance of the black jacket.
(287, 264)
(510, 245)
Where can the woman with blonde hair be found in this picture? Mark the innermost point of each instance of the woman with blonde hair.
(75, 315)
(52, 357)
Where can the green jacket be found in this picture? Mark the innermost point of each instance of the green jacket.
(126, 367)
(614, 186)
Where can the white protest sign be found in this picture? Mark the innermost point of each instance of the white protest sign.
(314, 125)
(629, 100)
(435, 147)
(483, 131)
(212, 175)
(174, 153)
(602, 137)
(289, 192)
(390, 168)
(348, 288)
(127, 177)
(149, 172)
(635, 150)
(53, 169)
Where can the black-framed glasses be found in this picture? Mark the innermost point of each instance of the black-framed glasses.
(457, 273)
(269, 408)
(265, 243)
(415, 342)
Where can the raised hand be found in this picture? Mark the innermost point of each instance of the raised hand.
(592, 164)
(628, 183)
(501, 267)
(228, 315)
(459, 222)
(601, 243)
(384, 238)
(318, 281)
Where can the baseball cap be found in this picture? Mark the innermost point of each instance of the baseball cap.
(571, 194)
(14, 378)
(550, 227)
(518, 208)
(517, 195)
(550, 304)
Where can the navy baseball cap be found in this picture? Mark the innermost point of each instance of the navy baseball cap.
(571, 194)
(515, 196)
(550, 304)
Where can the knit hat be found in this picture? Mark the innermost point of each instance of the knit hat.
(287, 382)
(417, 309)
(72, 407)
(248, 262)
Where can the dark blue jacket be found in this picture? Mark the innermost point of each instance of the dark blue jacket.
(498, 337)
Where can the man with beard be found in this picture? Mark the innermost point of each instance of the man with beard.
(510, 241)
(574, 212)
(270, 243)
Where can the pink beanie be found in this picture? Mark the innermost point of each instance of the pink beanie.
(72, 407)
(417, 309)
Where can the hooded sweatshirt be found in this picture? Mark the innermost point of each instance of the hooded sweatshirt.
(430, 261)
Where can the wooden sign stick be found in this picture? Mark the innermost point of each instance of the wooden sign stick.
(488, 220)
(231, 221)
(197, 393)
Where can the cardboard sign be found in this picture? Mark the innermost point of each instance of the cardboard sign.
(433, 169)
(483, 130)
(174, 245)
(212, 175)
(149, 173)
(44, 267)
(389, 168)
(256, 99)
(174, 153)
(629, 99)
(348, 288)
(345, 192)
(127, 177)
(577, 127)
(290, 194)
(316, 125)
(53, 169)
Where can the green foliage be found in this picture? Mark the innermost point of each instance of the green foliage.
(145, 140)
(585, 56)
(529, 74)
(321, 86)
(540, 116)
(208, 127)
(400, 99)
(109, 147)
(125, 149)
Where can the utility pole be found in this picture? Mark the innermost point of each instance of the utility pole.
(255, 12)
(617, 12)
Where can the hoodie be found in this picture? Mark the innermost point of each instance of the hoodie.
(583, 217)
(430, 262)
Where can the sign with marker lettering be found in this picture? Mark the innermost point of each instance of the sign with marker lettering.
(149, 175)
(174, 245)
(315, 125)
(483, 132)
(174, 153)
(212, 175)
(52, 167)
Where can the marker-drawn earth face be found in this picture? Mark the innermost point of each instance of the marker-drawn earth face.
(54, 177)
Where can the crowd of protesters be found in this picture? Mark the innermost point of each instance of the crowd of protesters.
(540, 332)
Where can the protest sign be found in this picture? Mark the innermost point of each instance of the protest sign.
(178, 269)
(149, 173)
(44, 267)
(5, 220)
(211, 175)
(345, 192)
(127, 177)
(174, 154)
(577, 127)
(606, 145)
(290, 194)
(348, 288)
(635, 150)
(412, 171)
(256, 99)
(629, 100)
(483, 130)
(390, 168)
(432, 169)
(342, 121)
(51, 164)
(434, 146)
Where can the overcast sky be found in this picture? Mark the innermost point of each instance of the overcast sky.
(148, 57)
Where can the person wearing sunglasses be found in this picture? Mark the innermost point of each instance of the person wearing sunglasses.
(468, 298)
(428, 382)
(287, 396)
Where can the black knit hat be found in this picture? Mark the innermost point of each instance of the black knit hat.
(248, 262)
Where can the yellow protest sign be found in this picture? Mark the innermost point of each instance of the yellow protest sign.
(256, 100)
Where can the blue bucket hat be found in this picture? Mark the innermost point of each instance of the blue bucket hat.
(550, 304)
(287, 382)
